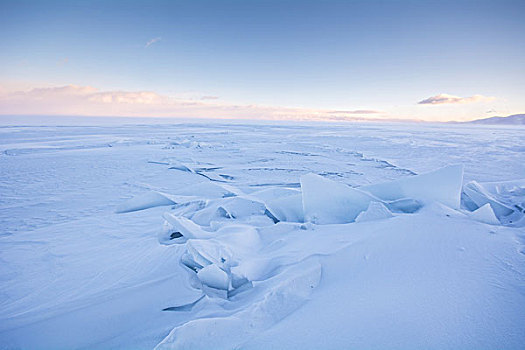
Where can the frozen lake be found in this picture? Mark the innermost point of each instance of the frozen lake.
(77, 274)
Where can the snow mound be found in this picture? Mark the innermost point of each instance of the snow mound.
(285, 293)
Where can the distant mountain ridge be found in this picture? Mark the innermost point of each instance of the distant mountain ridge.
(515, 119)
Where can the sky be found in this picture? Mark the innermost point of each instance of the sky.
(322, 60)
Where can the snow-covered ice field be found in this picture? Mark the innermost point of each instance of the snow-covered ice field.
(238, 235)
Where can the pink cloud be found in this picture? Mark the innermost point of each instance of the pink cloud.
(451, 99)
(209, 97)
(357, 111)
(87, 100)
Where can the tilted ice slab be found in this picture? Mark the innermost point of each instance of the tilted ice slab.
(442, 185)
(375, 211)
(148, 200)
(485, 214)
(285, 204)
(151, 199)
(329, 202)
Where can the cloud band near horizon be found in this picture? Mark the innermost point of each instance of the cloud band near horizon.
(90, 101)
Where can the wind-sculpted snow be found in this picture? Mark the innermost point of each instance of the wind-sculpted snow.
(283, 294)
(230, 236)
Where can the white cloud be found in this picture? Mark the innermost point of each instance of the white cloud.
(451, 99)
(153, 41)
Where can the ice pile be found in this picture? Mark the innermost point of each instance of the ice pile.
(220, 225)
(222, 239)
(495, 203)
(329, 202)
(253, 255)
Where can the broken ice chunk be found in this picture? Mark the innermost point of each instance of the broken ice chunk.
(242, 207)
(485, 214)
(211, 213)
(206, 252)
(404, 205)
(329, 202)
(190, 262)
(238, 281)
(274, 193)
(208, 190)
(229, 208)
(181, 167)
(149, 200)
(477, 196)
(186, 227)
(442, 185)
(214, 277)
(375, 211)
(289, 208)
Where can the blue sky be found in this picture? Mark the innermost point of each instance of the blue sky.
(384, 56)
